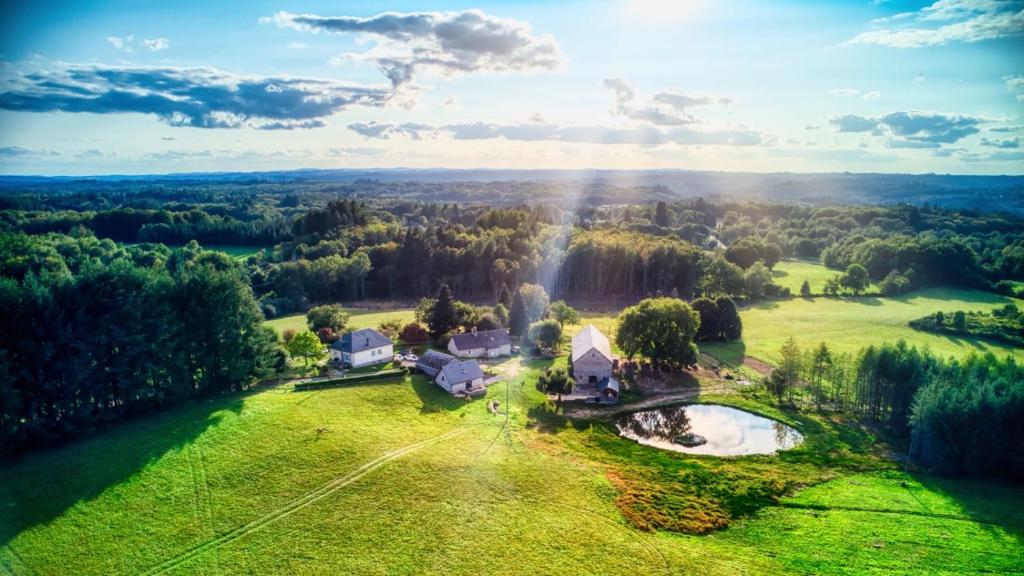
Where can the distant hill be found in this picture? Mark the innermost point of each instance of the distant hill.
(984, 193)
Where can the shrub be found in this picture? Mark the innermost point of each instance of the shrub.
(414, 333)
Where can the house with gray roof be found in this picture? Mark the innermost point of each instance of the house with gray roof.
(431, 362)
(481, 344)
(461, 377)
(363, 348)
(591, 361)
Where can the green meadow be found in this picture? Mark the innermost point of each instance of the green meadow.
(360, 318)
(399, 478)
(792, 274)
(849, 324)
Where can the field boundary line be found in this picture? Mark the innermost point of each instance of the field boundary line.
(297, 504)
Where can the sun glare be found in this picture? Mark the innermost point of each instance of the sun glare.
(663, 11)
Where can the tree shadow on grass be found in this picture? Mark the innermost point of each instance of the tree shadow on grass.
(996, 505)
(41, 485)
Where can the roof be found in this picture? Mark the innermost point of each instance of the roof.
(364, 339)
(608, 382)
(434, 359)
(462, 371)
(590, 338)
(482, 339)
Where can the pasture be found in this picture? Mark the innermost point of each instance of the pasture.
(398, 478)
(792, 273)
(359, 318)
(849, 324)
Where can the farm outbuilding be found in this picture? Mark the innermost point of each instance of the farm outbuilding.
(591, 359)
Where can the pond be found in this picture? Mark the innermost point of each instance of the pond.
(708, 429)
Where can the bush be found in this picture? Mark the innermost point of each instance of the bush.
(413, 333)
(894, 283)
(390, 328)
(331, 316)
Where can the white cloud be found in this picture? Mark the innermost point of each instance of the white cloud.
(536, 132)
(449, 43)
(844, 92)
(194, 97)
(872, 95)
(949, 21)
(911, 129)
(157, 44)
(1015, 84)
(667, 108)
(121, 42)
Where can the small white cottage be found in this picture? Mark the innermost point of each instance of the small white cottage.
(461, 377)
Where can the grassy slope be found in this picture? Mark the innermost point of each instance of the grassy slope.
(849, 324)
(361, 318)
(488, 500)
(792, 273)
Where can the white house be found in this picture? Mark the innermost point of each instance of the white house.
(481, 344)
(460, 377)
(362, 348)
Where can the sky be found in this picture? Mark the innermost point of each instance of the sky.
(144, 87)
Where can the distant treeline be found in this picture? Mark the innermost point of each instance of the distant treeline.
(340, 241)
(92, 332)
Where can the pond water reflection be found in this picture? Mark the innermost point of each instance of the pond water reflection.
(727, 431)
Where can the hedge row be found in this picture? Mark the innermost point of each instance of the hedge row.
(312, 385)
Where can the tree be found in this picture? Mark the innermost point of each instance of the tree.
(546, 334)
(501, 313)
(821, 362)
(535, 298)
(805, 289)
(564, 313)
(390, 327)
(556, 381)
(832, 286)
(756, 280)
(772, 254)
(959, 320)
(443, 316)
(709, 322)
(487, 321)
(307, 346)
(730, 325)
(518, 318)
(744, 252)
(790, 365)
(722, 278)
(414, 333)
(504, 296)
(661, 330)
(661, 215)
(288, 334)
(894, 283)
(856, 278)
(331, 316)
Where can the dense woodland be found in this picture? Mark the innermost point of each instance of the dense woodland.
(101, 320)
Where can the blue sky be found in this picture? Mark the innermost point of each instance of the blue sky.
(151, 87)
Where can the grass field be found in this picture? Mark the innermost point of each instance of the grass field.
(399, 478)
(849, 324)
(792, 273)
(360, 318)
